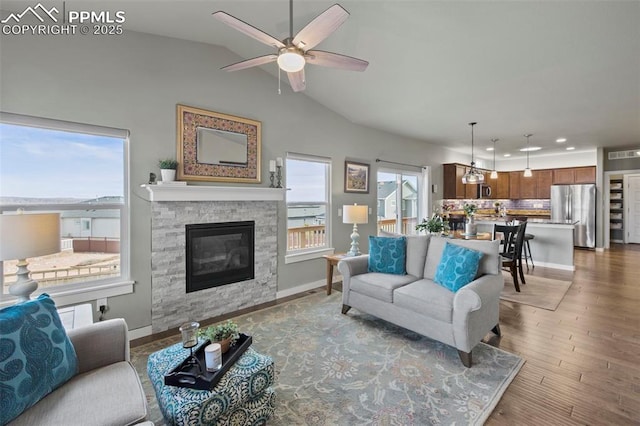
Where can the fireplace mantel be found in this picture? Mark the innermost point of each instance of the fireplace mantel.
(211, 193)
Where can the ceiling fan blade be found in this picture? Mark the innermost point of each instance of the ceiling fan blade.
(297, 80)
(321, 27)
(335, 60)
(260, 60)
(248, 29)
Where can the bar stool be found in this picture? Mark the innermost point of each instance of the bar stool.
(456, 221)
(526, 249)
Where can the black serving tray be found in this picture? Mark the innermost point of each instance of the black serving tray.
(186, 375)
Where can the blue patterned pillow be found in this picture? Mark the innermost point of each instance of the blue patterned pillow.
(36, 356)
(458, 267)
(387, 255)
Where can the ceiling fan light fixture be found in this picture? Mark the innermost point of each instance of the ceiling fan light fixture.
(290, 60)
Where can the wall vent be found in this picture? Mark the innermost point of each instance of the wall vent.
(621, 155)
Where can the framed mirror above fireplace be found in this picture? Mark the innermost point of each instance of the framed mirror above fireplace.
(217, 147)
(219, 254)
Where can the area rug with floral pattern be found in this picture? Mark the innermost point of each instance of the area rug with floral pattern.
(355, 369)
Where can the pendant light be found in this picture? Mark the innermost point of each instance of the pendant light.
(473, 176)
(527, 171)
(494, 172)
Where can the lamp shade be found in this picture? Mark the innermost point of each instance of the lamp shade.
(29, 235)
(355, 214)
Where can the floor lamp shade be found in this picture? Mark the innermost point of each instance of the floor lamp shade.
(355, 214)
(24, 236)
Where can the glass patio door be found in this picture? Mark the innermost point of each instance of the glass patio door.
(398, 201)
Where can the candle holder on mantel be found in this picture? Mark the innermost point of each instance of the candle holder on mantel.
(271, 178)
(279, 175)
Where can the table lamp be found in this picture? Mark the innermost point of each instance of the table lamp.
(24, 236)
(355, 214)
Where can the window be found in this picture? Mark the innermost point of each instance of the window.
(79, 171)
(308, 207)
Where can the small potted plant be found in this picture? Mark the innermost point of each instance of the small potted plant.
(168, 169)
(435, 225)
(225, 333)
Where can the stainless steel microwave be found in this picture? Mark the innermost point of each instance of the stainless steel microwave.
(484, 190)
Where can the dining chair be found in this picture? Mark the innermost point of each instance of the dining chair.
(511, 255)
(526, 248)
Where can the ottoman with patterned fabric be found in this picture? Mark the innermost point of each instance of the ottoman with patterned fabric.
(242, 397)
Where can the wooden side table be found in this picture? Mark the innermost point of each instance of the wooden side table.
(332, 260)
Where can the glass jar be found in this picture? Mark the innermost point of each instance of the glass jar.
(189, 332)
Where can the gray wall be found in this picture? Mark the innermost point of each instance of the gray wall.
(134, 82)
(624, 164)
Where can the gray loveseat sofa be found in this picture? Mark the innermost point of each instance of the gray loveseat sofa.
(106, 390)
(414, 301)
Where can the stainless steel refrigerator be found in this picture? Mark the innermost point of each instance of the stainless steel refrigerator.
(576, 203)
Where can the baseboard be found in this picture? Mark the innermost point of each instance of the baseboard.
(555, 266)
(301, 288)
(137, 333)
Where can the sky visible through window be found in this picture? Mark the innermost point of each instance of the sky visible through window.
(44, 163)
(305, 181)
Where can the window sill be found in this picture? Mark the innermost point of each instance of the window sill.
(75, 296)
(307, 255)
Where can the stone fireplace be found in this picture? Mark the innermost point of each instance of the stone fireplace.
(172, 210)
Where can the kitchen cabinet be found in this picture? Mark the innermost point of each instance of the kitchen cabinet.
(500, 188)
(585, 174)
(563, 176)
(528, 185)
(573, 175)
(543, 181)
(514, 185)
(452, 181)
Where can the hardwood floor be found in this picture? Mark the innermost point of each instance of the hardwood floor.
(583, 359)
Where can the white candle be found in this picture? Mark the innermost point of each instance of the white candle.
(272, 166)
(213, 357)
(279, 161)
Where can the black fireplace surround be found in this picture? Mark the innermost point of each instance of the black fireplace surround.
(219, 254)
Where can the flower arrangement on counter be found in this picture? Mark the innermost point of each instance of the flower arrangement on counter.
(470, 209)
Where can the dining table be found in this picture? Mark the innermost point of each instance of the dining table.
(460, 235)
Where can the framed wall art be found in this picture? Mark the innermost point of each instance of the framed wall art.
(217, 147)
(356, 177)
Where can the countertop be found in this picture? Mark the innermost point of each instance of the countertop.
(530, 220)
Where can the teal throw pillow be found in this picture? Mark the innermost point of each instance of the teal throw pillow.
(458, 267)
(387, 255)
(36, 355)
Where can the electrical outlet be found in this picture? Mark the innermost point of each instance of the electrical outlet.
(101, 302)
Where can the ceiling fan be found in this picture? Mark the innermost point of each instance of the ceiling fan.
(295, 52)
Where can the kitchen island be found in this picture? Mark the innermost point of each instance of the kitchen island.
(552, 246)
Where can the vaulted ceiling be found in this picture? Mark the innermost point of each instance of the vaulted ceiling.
(555, 69)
